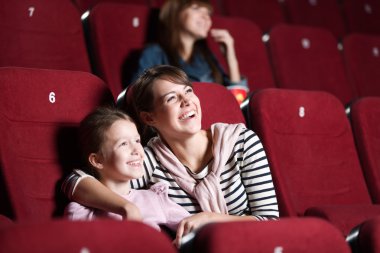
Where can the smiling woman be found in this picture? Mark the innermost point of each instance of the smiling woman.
(219, 174)
(185, 25)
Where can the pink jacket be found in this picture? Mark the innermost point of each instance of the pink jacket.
(155, 206)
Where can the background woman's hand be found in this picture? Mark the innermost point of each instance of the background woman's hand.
(223, 37)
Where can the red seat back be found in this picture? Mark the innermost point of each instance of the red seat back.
(310, 148)
(42, 34)
(118, 34)
(265, 13)
(321, 13)
(39, 114)
(95, 236)
(362, 61)
(365, 120)
(308, 58)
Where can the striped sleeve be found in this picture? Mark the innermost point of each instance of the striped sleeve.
(257, 179)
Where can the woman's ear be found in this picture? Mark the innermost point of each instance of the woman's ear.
(147, 118)
(96, 160)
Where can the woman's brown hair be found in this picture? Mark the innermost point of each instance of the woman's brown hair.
(169, 38)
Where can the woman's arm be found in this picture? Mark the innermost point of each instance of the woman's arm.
(90, 192)
(257, 178)
(224, 37)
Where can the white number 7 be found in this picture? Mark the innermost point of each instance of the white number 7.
(31, 11)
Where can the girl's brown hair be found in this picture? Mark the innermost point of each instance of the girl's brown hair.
(143, 97)
(169, 38)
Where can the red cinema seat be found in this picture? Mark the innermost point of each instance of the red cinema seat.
(312, 155)
(265, 13)
(308, 58)
(85, 236)
(362, 16)
(40, 111)
(250, 51)
(365, 121)
(42, 34)
(118, 34)
(297, 235)
(362, 61)
(320, 13)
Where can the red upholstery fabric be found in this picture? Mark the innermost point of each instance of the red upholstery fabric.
(345, 217)
(265, 13)
(118, 34)
(39, 114)
(311, 151)
(362, 60)
(42, 34)
(287, 235)
(365, 120)
(322, 13)
(5, 222)
(369, 240)
(91, 236)
(250, 51)
(307, 58)
(362, 16)
(218, 104)
(84, 5)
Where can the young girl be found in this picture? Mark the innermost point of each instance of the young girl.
(111, 146)
(185, 25)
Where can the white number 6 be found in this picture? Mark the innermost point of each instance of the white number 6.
(52, 97)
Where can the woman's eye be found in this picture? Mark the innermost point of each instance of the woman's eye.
(189, 90)
(138, 141)
(171, 99)
(123, 144)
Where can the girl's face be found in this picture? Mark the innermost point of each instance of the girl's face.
(195, 21)
(177, 111)
(122, 153)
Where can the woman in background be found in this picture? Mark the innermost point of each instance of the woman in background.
(185, 25)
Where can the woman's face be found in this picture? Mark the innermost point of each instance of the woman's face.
(195, 21)
(177, 111)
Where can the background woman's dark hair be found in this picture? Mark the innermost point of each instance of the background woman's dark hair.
(93, 128)
(169, 40)
(143, 97)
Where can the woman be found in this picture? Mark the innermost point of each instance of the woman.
(220, 174)
(185, 24)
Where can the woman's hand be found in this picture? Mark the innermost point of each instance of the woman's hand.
(224, 37)
(195, 221)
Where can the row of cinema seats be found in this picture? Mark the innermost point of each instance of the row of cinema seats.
(309, 142)
(40, 34)
(339, 16)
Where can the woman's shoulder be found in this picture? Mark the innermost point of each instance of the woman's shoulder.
(153, 48)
